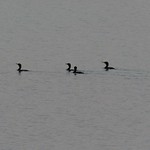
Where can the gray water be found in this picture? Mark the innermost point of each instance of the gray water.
(51, 109)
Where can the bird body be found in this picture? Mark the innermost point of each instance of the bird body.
(69, 67)
(76, 71)
(19, 69)
(107, 66)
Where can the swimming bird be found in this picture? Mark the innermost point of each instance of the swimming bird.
(19, 69)
(77, 72)
(107, 66)
(69, 67)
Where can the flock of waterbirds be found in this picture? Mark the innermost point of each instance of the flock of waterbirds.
(69, 69)
(75, 71)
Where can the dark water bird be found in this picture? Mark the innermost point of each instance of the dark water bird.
(19, 69)
(76, 71)
(107, 66)
(69, 67)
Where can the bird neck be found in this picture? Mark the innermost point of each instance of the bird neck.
(75, 69)
(69, 67)
(106, 65)
(19, 67)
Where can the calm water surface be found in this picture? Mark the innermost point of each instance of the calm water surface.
(48, 108)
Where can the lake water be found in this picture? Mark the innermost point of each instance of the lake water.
(48, 108)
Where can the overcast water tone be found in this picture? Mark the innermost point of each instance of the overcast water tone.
(49, 108)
